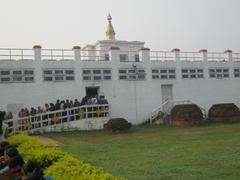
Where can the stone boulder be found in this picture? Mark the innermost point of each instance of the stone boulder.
(227, 112)
(117, 124)
(186, 114)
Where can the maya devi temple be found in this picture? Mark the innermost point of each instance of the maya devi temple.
(137, 82)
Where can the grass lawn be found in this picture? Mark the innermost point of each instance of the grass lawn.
(155, 152)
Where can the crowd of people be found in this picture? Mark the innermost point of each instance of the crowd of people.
(58, 105)
(13, 167)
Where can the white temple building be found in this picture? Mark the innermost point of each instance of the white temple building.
(134, 79)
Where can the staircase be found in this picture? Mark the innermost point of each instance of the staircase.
(87, 117)
(161, 114)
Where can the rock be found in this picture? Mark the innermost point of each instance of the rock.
(117, 124)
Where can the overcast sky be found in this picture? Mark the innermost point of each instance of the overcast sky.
(163, 24)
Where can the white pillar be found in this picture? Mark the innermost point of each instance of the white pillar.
(229, 58)
(176, 52)
(114, 54)
(144, 54)
(203, 53)
(37, 52)
(77, 53)
(38, 64)
(114, 57)
(228, 55)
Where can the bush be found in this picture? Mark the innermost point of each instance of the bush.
(186, 114)
(117, 124)
(32, 149)
(69, 168)
(227, 112)
(54, 161)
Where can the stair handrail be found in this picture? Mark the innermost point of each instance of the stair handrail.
(68, 113)
(154, 113)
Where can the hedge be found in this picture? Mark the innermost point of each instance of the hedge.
(55, 162)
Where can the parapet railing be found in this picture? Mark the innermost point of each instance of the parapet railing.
(104, 55)
(94, 55)
(16, 54)
(129, 56)
(236, 56)
(57, 54)
(216, 56)
(161, 56)
(190, 56)
(57, 117)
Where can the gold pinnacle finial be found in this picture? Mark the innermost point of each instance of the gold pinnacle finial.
(110, 34)
(109, 17)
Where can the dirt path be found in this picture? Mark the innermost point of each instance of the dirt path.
(47, 140)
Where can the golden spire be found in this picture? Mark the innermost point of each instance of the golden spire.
(110, 34)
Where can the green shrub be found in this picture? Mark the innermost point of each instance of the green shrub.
(32, 149)
(56, 162)
(69, 168)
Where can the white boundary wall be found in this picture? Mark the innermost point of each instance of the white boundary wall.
(133, 100)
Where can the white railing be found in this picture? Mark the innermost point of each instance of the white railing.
(161, 56)
(155, 112)
(216, 56)
(103, 55)
(16, 54)
(94, 55)
(130, 56)
(57, 117)
(190, 56)
(236, 56)
(57, 54)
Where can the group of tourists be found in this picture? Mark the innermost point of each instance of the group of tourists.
(58, 105)
(12, 165)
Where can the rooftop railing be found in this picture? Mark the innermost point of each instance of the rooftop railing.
(57, 54)
(94, 55)
(103, 55)
(236, 56)
(161, 56)
(216, 56)
(129, 56)
(16, 54)
(190, 56)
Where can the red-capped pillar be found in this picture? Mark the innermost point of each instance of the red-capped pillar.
(77, 53)
(176, 53)
(228, 54)
(203, 53)
(144, 54)
(37, 51)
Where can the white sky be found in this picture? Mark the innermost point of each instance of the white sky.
(163, 24)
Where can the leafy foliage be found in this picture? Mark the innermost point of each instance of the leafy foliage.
(69, 168)
(56, 162)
